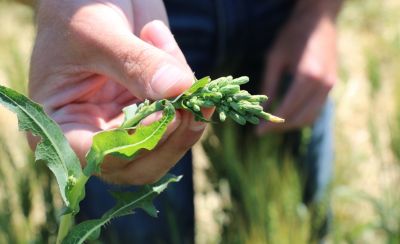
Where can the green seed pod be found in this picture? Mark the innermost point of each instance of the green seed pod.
(224, 108)
(242, 95)
(251, 108)
(270, 117)
(255, 103)
(239, 109)
(240, 80)
(225, 82)
(206, 103)
(189, 104)
(237, 118)
(229, 89)
(196, 108)
(222, 116)
(215, 83)
(253, 119)
(71, 182)
(193, 99)
(258, 98)
(215, 96)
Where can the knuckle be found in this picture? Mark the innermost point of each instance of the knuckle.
(320, 77)
(329, 82)
(134, 65)
(135, 62)
(314, 73)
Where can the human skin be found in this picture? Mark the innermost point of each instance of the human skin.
(93, 57)
(305, 48)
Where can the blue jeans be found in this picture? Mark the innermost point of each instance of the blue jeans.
(218, 37)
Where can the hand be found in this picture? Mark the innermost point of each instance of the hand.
(306, 48)
(91, 58)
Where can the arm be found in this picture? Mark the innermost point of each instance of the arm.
(305, 48)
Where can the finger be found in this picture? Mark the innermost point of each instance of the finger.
(155, 164)
(80, 138)
(310, 111)
(160, 37)
(112, 164)
(157, 116)
(293, 102)
(147, 71)
(274, 68)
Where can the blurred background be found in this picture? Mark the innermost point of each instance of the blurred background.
(252, 195)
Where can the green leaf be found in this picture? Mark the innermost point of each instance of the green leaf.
(197, 85)
(53, 148)
(129, 112)
(120, 143)
(126, 203)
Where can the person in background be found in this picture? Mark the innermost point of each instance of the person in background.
(91, 58)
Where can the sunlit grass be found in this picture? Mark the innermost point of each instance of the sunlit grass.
(265, 188)
(27, 193)
(366, 197)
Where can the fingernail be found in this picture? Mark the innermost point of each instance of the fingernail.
(197, 126)
(165, 81)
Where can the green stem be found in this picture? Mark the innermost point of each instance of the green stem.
(67, 219)
(65, 225)
(143, 113)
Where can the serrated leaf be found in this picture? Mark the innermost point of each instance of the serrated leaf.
(197, 85)
(126, 203)
(53, 148)
(120, 143)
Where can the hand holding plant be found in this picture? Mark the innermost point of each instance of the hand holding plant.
(108, 55)
(224, 94)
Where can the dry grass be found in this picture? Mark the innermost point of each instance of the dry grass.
(27, 194)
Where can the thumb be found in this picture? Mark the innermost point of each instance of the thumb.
(146, 70)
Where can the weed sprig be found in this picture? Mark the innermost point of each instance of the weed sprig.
(223, 93)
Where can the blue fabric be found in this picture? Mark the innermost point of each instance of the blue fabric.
(140, 227)
(218, 37)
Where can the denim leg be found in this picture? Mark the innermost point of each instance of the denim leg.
(320, 156)
(175, 223)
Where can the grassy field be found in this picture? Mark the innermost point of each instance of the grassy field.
(28, 198)
(364, 192)
(237, 202)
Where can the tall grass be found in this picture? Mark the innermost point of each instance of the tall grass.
(266, 187)
(28, 196)
(366, 196)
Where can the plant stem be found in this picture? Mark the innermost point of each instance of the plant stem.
(65, 224)
(143, 113)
